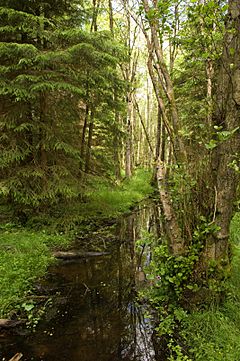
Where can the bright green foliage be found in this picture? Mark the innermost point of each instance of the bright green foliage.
(200, 39)
(46, 74)
(112, 201)
(24, 257)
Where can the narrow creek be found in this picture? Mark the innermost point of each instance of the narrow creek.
(95, 315)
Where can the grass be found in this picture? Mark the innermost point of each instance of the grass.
(214, 334)
(25, 253)
(101, 201)
(25, 256)
(117, 199)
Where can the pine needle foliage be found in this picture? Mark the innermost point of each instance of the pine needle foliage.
(46, 73)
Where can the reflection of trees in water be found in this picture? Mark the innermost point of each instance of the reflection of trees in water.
(120, 330)
(100, 320)
(136, 344)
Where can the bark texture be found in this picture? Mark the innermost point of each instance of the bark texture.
(176, 241)
(227, 116)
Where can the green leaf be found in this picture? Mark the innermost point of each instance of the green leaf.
(28, 306)
(211, 145)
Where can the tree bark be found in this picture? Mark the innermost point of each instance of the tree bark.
(110, 9)
(164, 80)
(143, 125)
(89, 144)
(176, 241)
(128, 148)
(84, 130)
(96, 5)
(227, 115)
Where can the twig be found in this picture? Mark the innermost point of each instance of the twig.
(87, 288)
(16, 357)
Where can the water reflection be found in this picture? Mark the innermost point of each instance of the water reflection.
(97, 318)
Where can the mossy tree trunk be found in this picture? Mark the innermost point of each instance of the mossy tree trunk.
(225, 160)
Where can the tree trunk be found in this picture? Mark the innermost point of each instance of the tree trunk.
(128, 155)
(164, 82)
(89, 145)
(176, 241)
(226, 115)
(110, 9)
(84, 130)
(96, 5)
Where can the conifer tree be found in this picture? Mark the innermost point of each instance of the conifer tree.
(44, 67)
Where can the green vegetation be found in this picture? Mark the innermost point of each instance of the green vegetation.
(26, 253)
(213, 334)
(108, 201)
(24, 256)
(101, 200)
(49, 101)
(82, 97)
(209, 331)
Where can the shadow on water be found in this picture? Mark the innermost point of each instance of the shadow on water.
(95, 316)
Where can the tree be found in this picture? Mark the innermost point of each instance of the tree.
(225, 161)
(45, 67)
(197, 194)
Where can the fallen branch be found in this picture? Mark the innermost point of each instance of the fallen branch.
(76, 254)
(38, 298)
(5, 323)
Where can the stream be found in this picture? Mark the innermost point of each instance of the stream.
(94, 315)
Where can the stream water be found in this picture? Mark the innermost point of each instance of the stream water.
(94, 314)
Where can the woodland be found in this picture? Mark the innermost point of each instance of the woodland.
(96, 92)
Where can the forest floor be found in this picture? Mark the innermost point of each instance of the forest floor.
(26, 252)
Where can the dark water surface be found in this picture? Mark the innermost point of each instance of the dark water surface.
(95, 316)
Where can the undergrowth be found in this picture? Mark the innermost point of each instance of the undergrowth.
(210, 332)
(101, 200)
(119, 198)
(214, 334)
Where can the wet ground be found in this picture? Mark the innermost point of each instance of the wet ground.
(95, 315)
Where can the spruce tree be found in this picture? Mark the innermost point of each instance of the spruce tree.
(46, 73)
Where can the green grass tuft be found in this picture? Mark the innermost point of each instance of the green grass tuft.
(103, 201)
